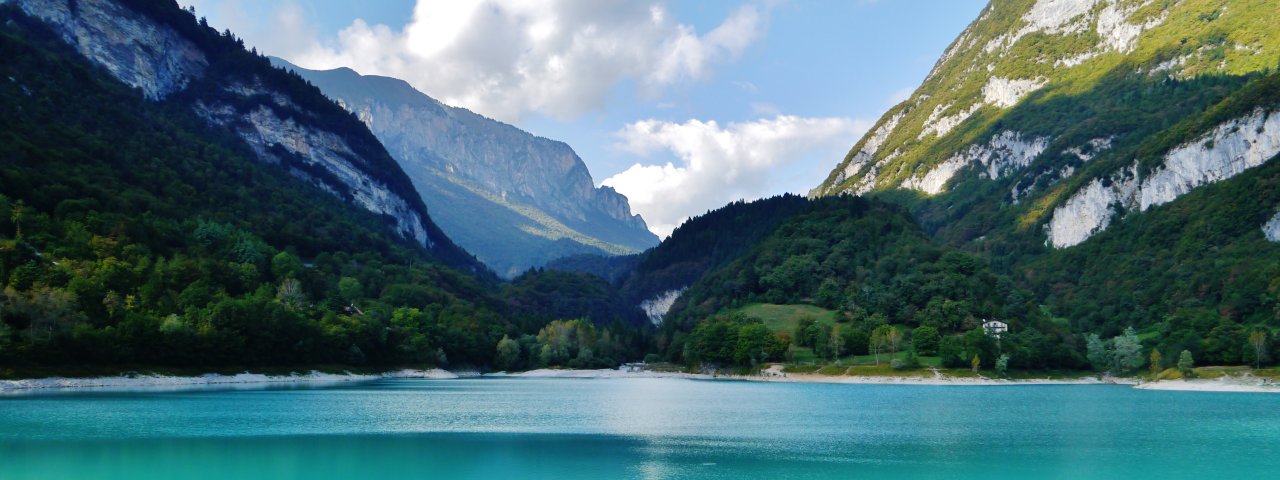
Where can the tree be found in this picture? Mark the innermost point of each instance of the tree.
(880, 340)
(1002, 365)
(804, 336)
(1155, 361)
(1186, 363)
(1258, 340)
(753, 344)
(350, 290)
(822, 340)
(836, 342)
(925, 340)
(286, 265)
(50, 310)
(508, 357)
(1097, 351)
(975, 363)
(892, 338)
(17, 212)
(290, 293)
(1126, 352)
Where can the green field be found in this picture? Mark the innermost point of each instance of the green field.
(784, 318)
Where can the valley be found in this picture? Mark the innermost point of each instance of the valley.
(1097, 176)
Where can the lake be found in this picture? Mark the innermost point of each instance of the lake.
(495, 428)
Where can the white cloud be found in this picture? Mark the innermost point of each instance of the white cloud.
(716, 165)
(557, 57)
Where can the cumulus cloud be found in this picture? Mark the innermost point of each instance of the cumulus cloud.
(715, 165)
(557, 57)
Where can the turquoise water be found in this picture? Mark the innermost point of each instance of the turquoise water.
(640, 428)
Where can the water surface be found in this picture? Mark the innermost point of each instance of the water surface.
(641, 428)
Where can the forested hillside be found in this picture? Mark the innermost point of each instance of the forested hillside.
(134, 232)
(873, 266)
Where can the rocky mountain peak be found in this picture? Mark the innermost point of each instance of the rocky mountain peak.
(540, 186)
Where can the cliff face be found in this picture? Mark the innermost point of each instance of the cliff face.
(1065, 115)
(136, 50)
(1227, 151)
(161, 51)
(537, 196)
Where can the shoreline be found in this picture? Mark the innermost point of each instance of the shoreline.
(1224, 384)
(777, 376)
(247, 380)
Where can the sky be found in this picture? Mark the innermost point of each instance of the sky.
(682, 106)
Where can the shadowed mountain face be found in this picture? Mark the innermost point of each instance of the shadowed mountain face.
(162, 51)
(514, 199)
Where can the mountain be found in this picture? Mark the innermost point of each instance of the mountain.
(169, 199)
(536, 196)
(138, 230)
(654, 279)
(1116, 157)
(168, 56)
(862, 262)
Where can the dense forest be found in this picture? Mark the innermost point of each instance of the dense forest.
(889, 285)
(870, 263)
(154, 239)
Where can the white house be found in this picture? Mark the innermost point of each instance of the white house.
(995, 327)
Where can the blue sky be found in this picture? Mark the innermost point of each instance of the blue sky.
(682, 106)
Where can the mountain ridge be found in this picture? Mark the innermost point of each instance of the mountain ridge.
(166, 53)
(974, 114)
(489, 168)
(1071, 143)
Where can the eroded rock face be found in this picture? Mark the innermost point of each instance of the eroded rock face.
(1271, 229)
(864, 156)
(499, 158)
(536, 196)
(1005, 92)
(159, 61)
(975, 79)
(1003, 154)
(151, 57)
(656, 308)
(264, 131)
(1226, 151)
(1111, 23)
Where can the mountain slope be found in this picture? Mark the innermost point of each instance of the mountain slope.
(870, 263)
(1028, 54)
(1116, 157)
(134, 233)
(536, 195)
(654, 279)
(163, 51)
